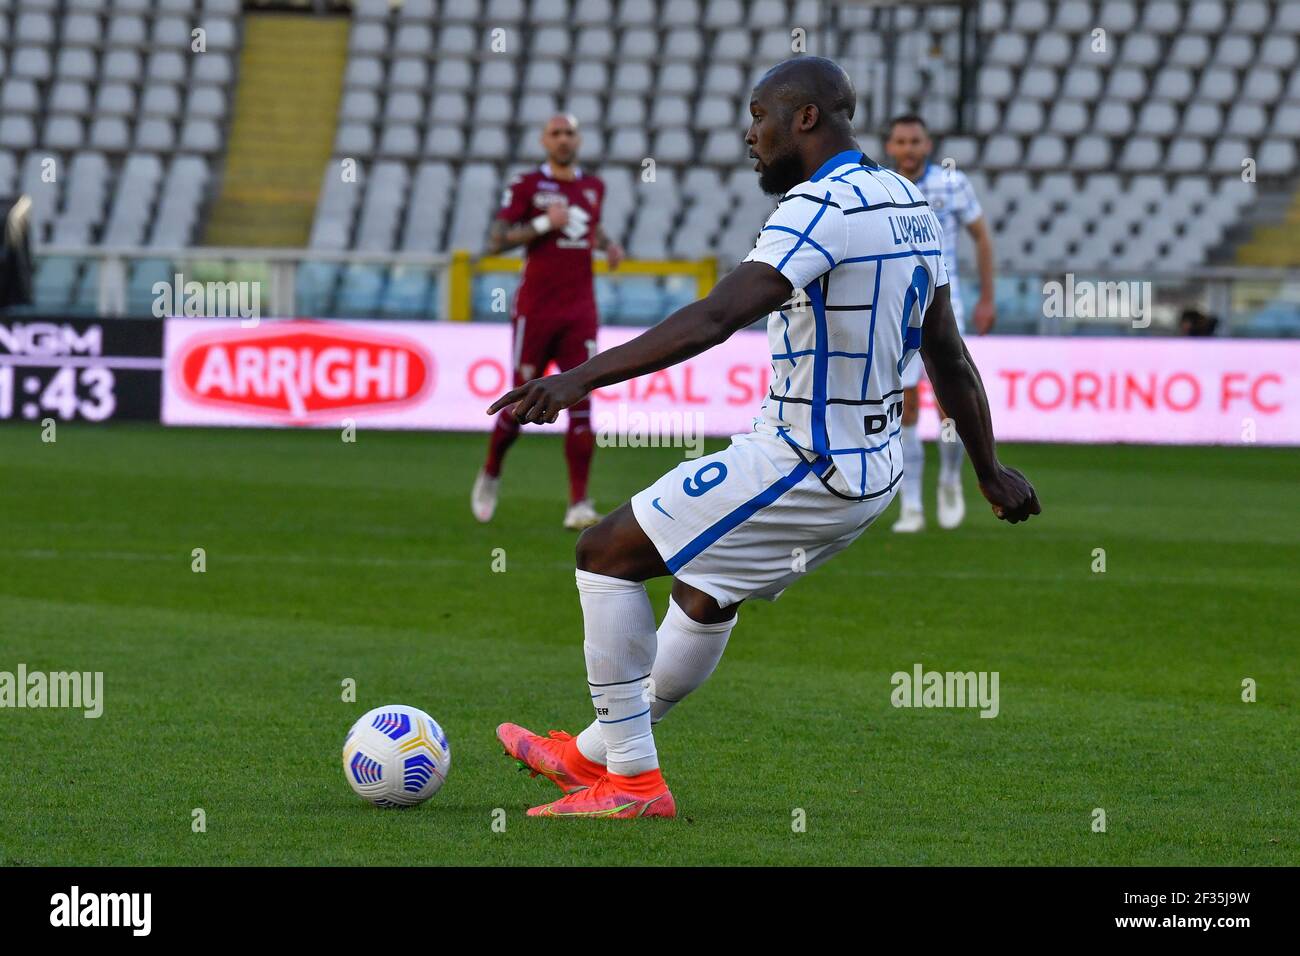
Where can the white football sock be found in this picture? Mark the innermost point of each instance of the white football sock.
(619, 644)
(950, 456)
(913, 466)
(688, 653)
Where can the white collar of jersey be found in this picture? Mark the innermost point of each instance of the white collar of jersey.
(546, 171)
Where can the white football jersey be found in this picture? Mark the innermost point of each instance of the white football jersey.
(864, 252)
(952, 199)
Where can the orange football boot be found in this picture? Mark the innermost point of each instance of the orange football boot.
(557, 757)
(615, 797)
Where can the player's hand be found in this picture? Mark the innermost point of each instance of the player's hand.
(986, 314)
(541, 400)
(613, 255)
(1012, 496)
(559, 216)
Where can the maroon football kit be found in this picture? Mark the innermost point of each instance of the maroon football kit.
(554, 314)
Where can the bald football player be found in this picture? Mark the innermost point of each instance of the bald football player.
(553, 211)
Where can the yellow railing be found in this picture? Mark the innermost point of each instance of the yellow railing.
(464, 267)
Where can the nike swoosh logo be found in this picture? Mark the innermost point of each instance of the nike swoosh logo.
(660, 509)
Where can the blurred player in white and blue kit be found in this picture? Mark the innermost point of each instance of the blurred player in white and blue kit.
(848, 269)
(953, 201)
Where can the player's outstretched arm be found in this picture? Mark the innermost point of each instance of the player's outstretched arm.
(503, 235)
(749, 291)
(960, 391)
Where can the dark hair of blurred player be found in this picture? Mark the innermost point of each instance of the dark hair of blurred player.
(554, 212)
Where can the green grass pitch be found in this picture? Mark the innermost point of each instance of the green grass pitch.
(325, 560)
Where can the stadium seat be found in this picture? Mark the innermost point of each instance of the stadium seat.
(407, 107)
(550, 11)
(1190, 51)
(1203, 119)
(595, 43)
(1126, 84)
(1186, 155)
(155, 135)
(1173, 83)
(1162, 17)
(160, 99)
(549, 41)
(109, 132)
(73, 64)
(589, 78)
(408, 295)
(1278, 50)
(409, 73)
(1204, 16)
(1277, 157)
(1217, 86)
(213, 67)
(62, 132)
(448, 141)
(1246, 120)
(1046, 152)
(1262, 85)
(1286, 19)
(1157, 118)
(359, 106)
(1002, 152)
(369, 72)
(1228, 154)
(360, 290)
(355, 139)
(314, 288)
(399, 141)
(79, 29)
(1118, 16)
(1115, 118)
(487, 142)
(640, 301)
(173, 32)
(1082, 83)
(1023, 117)
(1140, 153)
(34, 64)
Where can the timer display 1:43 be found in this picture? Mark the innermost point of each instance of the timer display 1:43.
(68, 393)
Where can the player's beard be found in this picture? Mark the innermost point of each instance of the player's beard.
(784, 172)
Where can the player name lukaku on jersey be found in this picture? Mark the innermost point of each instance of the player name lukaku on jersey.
(915, 230)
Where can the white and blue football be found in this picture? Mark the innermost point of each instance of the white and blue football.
(396, 756)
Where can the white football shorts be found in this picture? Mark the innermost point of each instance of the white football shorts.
(750, 520)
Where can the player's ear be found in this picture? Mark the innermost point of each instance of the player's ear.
(808, 117)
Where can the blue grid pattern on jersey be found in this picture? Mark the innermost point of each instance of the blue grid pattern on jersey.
(820, 399)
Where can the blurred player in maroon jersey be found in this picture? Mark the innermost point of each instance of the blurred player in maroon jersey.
(554, 211)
